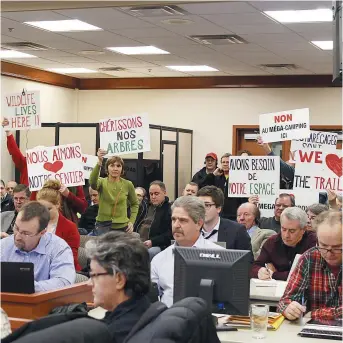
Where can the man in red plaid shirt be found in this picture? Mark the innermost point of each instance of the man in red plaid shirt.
(316, 283)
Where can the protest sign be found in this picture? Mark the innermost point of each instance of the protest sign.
(254, 176)
(285, 125)
(303, 199)
(125, 135)
(319, 170)
(324, 141)
(63, 162)
(89, 162)
(22, 110)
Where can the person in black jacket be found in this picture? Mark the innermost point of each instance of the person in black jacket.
(143, 207)
(218, 229)
(159, 212)
(88, 218)
(6, 199)
(219, 178)
(211, 161)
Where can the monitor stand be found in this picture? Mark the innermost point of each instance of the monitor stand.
(206, 291)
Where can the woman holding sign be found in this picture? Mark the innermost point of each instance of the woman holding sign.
(114, 195)
(51, 198)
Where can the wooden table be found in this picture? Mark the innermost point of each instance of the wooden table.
(37, 305)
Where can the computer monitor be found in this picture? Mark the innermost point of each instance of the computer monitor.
(221, 277)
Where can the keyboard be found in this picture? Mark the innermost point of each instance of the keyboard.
(322, 333)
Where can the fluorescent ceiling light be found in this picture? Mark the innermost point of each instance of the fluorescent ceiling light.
(192, 68)
(323, 44)
(301, 16)
(14, 54)
(139, 50)
(63, 25)
(71, 70)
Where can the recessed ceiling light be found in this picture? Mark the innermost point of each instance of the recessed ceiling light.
(301, 16)
(14, 54)
(177, 21)
(63, 25)
(91, 52)
(139, 50)
(192, 68)
(323, 44)
(71, 70)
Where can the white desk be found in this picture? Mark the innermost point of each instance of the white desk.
(286, 333)
(267, 295)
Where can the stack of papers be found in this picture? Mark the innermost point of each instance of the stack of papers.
(263, 283)
(274, 321)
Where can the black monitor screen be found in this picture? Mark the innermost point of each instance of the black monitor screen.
(219, 276)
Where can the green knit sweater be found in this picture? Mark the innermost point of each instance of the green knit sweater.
(122, 193)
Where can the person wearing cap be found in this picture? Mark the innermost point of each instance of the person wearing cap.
(211, 161)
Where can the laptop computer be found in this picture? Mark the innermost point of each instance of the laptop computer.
(323, 329)
(17, 277)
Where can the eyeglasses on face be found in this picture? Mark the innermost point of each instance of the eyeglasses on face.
(334, 251)
(23, 233)
(209, 204)
(95, 275)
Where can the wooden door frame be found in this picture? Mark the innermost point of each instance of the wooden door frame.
(286, 145)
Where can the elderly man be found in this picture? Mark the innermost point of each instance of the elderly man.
(249, 216)
(312, 212)
(21, 195)
(158, 214)
(316, 283)
(6, 199)
(211, 161)
(273, 223)
(278, 252)
(120, 280)
(10, 187)
(88, 218)
(188, 216)
(191, 189)
(143, 207)
(51, 255)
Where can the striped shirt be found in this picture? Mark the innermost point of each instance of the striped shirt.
(52, 258)
(313, 281)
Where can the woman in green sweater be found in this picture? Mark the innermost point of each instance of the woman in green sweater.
(114, 195)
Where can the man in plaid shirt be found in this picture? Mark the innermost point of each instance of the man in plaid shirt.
(316, 283)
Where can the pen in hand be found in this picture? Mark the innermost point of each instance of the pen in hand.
(268, 270)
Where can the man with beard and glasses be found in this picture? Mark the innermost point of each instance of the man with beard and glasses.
(51, 256)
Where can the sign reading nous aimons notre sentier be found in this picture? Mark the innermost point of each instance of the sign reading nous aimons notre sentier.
(254, 176)
(63, 162)
(22, 110)
(285, 125)
(125, 135)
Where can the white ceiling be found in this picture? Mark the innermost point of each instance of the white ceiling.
(269, 41)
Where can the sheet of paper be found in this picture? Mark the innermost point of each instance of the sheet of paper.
(263, 283)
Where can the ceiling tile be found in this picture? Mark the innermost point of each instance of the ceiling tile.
(148, 32)
(33, 16)
(288, 37)
(164, 43)
(217, 8)
(253, 29)
(67, 59)
(311, 27)
(289, 5)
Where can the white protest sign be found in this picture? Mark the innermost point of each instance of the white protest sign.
(22, 110)
(324, 141)
(254, 175)
(285, 125)
(125, 135)
(89, 162)
(303, 199)
(319, 170)
(63, 162)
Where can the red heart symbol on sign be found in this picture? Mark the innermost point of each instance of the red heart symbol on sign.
(53, 167)
(334, 163)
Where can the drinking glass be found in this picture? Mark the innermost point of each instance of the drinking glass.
(259, 320)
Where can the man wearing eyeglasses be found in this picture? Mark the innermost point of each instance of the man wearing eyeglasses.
(316, 283)
(282, 202)
(21, 195)
(51, 255)
(218, 229)
(279, 251)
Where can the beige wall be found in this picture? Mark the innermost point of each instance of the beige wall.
(210, 113)
(57, 105)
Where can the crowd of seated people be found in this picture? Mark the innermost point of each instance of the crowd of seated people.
(44, 228)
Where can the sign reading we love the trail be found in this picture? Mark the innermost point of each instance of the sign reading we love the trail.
(285, 125)
(63, 162)
(324, 141)
(22, 110)
(125, 135)
(254, 176)
(319, 170)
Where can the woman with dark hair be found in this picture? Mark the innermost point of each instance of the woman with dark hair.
(114, 195)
